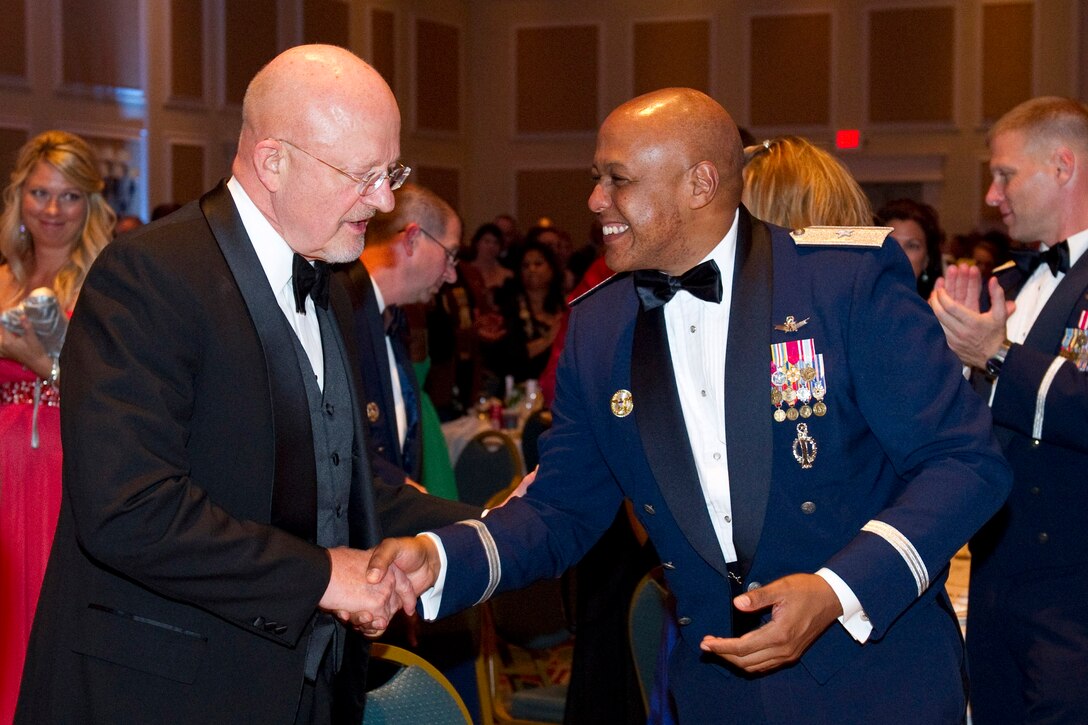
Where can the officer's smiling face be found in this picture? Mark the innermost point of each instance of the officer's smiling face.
(638, 175)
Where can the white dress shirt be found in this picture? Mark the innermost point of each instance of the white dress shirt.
(276, 259)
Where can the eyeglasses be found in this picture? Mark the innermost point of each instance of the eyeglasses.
(368, 183)
(451, 255)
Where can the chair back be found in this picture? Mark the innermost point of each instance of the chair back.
(489, 463)
(417, 693)
(645, 622)
(539, 421)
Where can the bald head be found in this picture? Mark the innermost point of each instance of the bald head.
(316, 121)
(694, 126)
(315, 93)
(668, 169)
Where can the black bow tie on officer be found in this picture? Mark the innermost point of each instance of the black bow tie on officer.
(656, 288)
(310, 279)
(1056, 257)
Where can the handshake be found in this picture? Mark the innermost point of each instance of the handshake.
(367, 588)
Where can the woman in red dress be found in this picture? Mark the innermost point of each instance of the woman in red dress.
(54, 224)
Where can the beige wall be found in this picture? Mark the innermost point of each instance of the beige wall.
(500, 97)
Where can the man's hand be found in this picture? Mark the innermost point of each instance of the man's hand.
(802, 607)
(974, 336)
(522, 488)
(366, 605)
(415, 556)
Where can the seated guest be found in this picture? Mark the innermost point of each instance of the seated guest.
(483, 270)
(532, 309)
(916, 227)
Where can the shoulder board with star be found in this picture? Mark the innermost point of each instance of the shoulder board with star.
(599, 285)
(817, 236)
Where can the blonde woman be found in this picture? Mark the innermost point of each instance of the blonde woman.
(790, 182)
(54, 224)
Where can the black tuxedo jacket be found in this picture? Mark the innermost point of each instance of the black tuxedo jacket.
(182, 583)
(377, 382)
(1040, 410)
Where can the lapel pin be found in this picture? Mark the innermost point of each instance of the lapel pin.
(791, 324)
(622, 403)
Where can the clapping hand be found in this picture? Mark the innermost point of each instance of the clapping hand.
(974, 336)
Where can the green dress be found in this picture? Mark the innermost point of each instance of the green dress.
(437, 471)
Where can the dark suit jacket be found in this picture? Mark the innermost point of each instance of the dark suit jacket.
(176, 590)
(377, 382)
(905, 443)
(1040, 418)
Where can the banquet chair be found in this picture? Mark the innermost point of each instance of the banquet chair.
(539, 421)
(489, 463)
(646, 619)
(417, 693)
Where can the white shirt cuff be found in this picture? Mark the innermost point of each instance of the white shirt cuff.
(432, 598)
(853, 616)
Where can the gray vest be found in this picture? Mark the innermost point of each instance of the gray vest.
(333, 429)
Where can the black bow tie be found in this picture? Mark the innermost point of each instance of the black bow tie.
(310, 279)
(1057, 258)
(656, 288)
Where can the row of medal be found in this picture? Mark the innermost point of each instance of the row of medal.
(1075, 343)
(797, 379)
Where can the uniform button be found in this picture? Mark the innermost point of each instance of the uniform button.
(717, 456)
(1043, 537)
(702, 393)
(648, 509)
(668, 565)
(339, 510)
(684, 621)
(1035, 490)
(336, 459)
(728, 519)
(329, 408)
(692, 328)
(808, 507)
(381, 449)
(258, 622)
(752, 586)
(1035, 443)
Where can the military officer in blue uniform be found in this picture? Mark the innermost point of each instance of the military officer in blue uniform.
(1027, 627)
(783, 412)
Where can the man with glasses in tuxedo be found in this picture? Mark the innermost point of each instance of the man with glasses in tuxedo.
(410, 253)
(218, 499)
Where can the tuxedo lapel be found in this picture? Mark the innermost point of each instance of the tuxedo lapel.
(293, 503)
(661, 427)
(1046, 334)
(747, 413)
